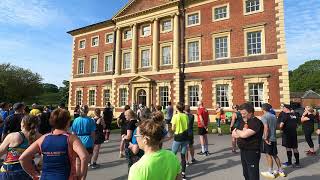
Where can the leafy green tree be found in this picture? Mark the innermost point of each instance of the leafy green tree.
(64, 92)
(18, 84)
(306, 77)
(50, 88)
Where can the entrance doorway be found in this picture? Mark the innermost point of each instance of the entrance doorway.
(142, 97)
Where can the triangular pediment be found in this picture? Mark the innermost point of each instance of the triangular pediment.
(140, 79)
(135, 6)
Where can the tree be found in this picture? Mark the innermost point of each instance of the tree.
(50, 88)
(306, 77)
(64, 92)
(18, 84)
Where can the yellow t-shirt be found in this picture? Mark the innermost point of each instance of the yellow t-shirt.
(161, 165)
(180, 121)
(35, 112)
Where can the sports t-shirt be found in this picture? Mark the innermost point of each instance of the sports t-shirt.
(161, 165)
(83, 127)
(180, 121)
(271, 121)
(203, 112)
(253, 142)
(169, 113)
(190, 124)
(132, 125)
(290, 123)
(310, 123)
(134, 139)
(35, 112)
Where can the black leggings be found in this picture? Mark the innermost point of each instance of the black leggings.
(183, 162)
(308, 136)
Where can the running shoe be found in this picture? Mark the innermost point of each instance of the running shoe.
(95, 166)
(207, 153)
(310, 153)
(121, 155)
(201, 153)
(89, 164)
(267, 174)
(296, 165)
(286, 164)
(193, 161)
(187, 164)
(234, 151)
(184, 176)
(280, 173)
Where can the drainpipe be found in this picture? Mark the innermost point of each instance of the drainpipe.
(182, 52)
(114, 51)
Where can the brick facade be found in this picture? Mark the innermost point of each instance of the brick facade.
(268, 67)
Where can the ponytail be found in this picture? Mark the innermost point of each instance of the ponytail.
(31, 124)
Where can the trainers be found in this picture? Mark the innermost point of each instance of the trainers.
(184, 176)
(200, 153)
(286, 164)
(296, 165)
(207, 153)
(121, 155)
(95, 166)
(187, 164)
(193, 161)
(267, 174)
(282, 174)
(310, 153)
(89, 164)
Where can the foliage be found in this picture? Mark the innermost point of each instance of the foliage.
(18, 84)
(64, 92)
(306, 77)
(50, 88)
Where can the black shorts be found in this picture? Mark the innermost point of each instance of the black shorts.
(90, 150)
(290, 140)
(271, 150)
(108, 125)
(202, 131)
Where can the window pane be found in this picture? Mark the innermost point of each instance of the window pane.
(164, 95)
(256, 94)
(106, 95)
(108, 63)
(220, 13)
(166, 25)
(254, 42)
(252, 5)
(221, 47)
(222, 95)
(122, 97)
(193, 19)
(78, 97)
(193, 51)
(146, 30)
(92, 97)
(94, 65)
(126, 60)
(145, 58)
(81, 67)
(193, 95)
(166, 55)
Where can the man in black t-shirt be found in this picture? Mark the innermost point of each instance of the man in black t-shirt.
(122, 124)
(13, 122)
(249, 135)
(108, 117)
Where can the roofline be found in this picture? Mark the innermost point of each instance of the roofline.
(90, 27)
(124, 8)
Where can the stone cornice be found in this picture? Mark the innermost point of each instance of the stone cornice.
(146, 11)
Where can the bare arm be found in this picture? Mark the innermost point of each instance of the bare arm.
(82, 154)
(129, 134)
(173, 127)
(26, 158)
(245, 133)
(281, 125)
(4, 145)
(233, 119)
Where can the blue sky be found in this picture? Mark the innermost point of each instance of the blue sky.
(33, 32)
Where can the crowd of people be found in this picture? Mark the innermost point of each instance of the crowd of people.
(42, 143)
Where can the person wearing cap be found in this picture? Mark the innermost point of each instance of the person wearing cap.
(12, 122)
(269, 145)
(289, 125)
(35, 111)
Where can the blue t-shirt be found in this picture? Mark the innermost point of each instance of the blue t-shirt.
(4, 115)
(134, 139)
(83, 127)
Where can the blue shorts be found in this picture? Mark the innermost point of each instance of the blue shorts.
(218, 121)
(177, 145)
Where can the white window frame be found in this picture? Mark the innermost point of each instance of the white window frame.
(122, 63)
(124, 34)
(78, 100)
(186, 95)
(164, 99)
(142, 30)
(260, 96)
(123, 100)
(220, 6)
(104, 96)
(222, 81)
(107, 35)
(190, 14)
(96, 45)
(140, 55)
(191, 101)
(226, 94)
(198, 39)
(219, 35)
(162, 25)
(105, 56)
(261, 8)
(263, 42)
(164, 45)
(78, 67)
(90, 103)
(255, 79)
(97, 67)
(79, 45)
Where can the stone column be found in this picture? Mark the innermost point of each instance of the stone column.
(176, 39)
(134, 49)
(155, 45)
(118, 52)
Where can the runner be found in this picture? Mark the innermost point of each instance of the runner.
(156, 164)
(249, 137)
(308, 120)
(218, 119)
(122, 124)
(4, 107)
(190, 136)
(84, 127)
(132, 125)
(12, 122)
(235, 122)
(76, 112)
(14, 145)
(44, 126)
(180, 128)
(289, 125)
(35, 110)
(269, 146)
(99, 137)
(203, 120)
(108, 117)
(168, 117)
(59, 150)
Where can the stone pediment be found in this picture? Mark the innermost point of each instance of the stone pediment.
(135, 6)
(140, 79)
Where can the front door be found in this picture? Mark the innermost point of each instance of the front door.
(142, 97)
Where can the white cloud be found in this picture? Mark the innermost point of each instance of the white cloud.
(35, 13)
(302, 21)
